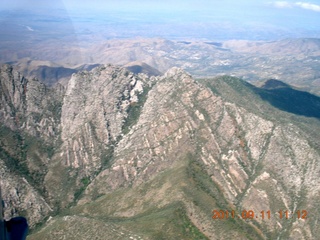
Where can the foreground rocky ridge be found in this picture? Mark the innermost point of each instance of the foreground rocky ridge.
(128, 148)
(29, 130)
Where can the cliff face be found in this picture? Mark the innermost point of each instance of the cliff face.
(94, 116)
(29, 130)
(94, 111)
(256, 164)
(128, 149)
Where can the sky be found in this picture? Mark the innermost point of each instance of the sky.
(288, 15)
(246, 9)
(169, 5)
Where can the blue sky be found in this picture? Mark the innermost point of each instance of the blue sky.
(290, 15)
(262, 5)
(226, 8)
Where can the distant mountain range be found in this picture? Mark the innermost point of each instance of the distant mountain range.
(294, 61)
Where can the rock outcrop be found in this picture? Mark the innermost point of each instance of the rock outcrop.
(29, 119)
(126, 146)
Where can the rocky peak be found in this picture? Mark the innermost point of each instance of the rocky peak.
(95, 106)
(245, 155)
(98, 107)
(178, 74)
(127, 146)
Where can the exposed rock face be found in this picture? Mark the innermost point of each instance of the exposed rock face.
(93, 117)
(21, 197)
(27, 119)
(259, 165)
(13, 96)
(28, 104)
(146, 143)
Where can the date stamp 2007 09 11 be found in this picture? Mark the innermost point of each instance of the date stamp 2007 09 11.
(249, 214)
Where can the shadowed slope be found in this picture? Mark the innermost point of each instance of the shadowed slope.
(285, 98)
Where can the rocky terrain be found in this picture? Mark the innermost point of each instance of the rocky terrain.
(29, 130)
(116, 155)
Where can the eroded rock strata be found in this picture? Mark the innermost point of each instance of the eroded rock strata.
(115, 145)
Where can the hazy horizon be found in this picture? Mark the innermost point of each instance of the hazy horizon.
(251, 20)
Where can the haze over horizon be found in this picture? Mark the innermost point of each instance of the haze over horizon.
(245, 19)
(72, 33)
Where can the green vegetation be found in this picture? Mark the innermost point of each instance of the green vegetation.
(134, 110)
(262, 101)
(183, 184)
(170, 222)
(205, 191)
(277, 105)
(291, 100)
(107, 157)
(13, 151)
(84, 184)
(25, 155)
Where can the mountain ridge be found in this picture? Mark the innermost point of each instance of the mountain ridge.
(133, 149)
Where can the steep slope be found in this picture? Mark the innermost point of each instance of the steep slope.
(29, 116)
(190, 149)
(273, 84)
(286, 98)
(98, 107)
(273, 104)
